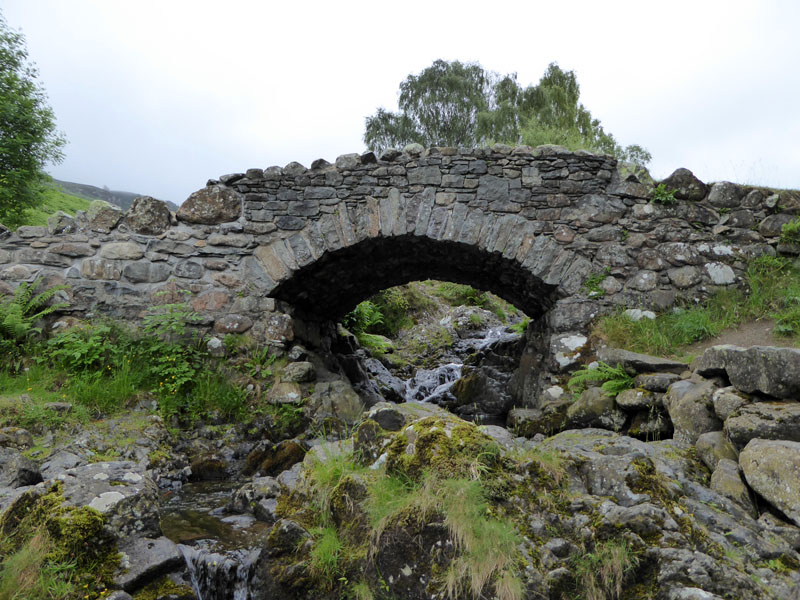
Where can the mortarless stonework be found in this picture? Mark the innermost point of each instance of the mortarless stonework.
(531, 225)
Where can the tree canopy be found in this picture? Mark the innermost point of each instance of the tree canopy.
(28, 136)
(461, 104)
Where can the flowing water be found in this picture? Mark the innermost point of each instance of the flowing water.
(220, 550)
(433, 385)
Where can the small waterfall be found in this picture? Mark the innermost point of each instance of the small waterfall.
(432, 385)
(227, 576)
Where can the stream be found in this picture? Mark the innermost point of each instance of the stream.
(222, 550)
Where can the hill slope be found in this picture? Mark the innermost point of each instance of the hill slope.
(91, 192)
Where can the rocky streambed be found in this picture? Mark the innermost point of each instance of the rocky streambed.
(684, 487)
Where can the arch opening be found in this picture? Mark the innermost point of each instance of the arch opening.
(335, 283)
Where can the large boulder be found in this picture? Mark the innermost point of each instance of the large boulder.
(686, 185)
(212, 205)
(16, 470)
(595, 408)
(764, 420)
(727, 480)
(148, 216)
(772, 468)
(691, 408)
(102, 216)
(764, 369)
(121, 491)
(335, 399)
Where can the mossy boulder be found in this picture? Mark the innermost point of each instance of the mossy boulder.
(772, 468)
(595, 408)
(691, 408)
(451, 448)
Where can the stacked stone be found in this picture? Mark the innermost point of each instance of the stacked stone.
(532, 225)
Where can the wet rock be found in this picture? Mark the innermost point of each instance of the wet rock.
(211, 205)
(390, 387)
(286, 536)
(635, 363)
(299, 372)
(765, 420)
(16, 470)
(595, 408)
(271, 459)
(335, 399)
(764, 369)
(245, 498)
(727, 481)
(210, 467)
(714, 446)
(481, 391)
(547, 420)
(691, 409)
(772, 468)
(121, 490)
(144, 560)
(148, 216)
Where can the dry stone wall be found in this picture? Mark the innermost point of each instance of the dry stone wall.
(532, 225)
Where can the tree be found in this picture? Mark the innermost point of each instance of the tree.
(455, 104)
(28, 136)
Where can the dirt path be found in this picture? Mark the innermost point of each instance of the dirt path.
(753, 333)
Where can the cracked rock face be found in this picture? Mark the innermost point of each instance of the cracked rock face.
(121, 491)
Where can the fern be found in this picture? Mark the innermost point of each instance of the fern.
(17, 317)
(614, 379)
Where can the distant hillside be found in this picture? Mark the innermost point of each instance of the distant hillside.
(90, 192)
(55, 200)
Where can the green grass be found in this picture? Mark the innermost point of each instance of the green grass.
(774, 293)
(53, 200)
(601, 574)
(487, 545)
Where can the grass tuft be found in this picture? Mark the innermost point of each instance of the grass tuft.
(774, 293)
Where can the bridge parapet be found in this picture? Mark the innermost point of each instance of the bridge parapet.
(532, 225)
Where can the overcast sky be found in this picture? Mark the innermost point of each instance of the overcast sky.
(157, 96)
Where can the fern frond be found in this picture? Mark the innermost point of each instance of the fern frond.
(613, 379)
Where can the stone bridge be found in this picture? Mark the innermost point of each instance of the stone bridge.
(270, 249)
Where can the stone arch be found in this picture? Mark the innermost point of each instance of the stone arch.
(335, 262)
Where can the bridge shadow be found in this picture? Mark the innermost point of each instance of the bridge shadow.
(333, 284)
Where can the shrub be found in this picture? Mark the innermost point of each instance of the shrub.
(661, 195)
(790, 232)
